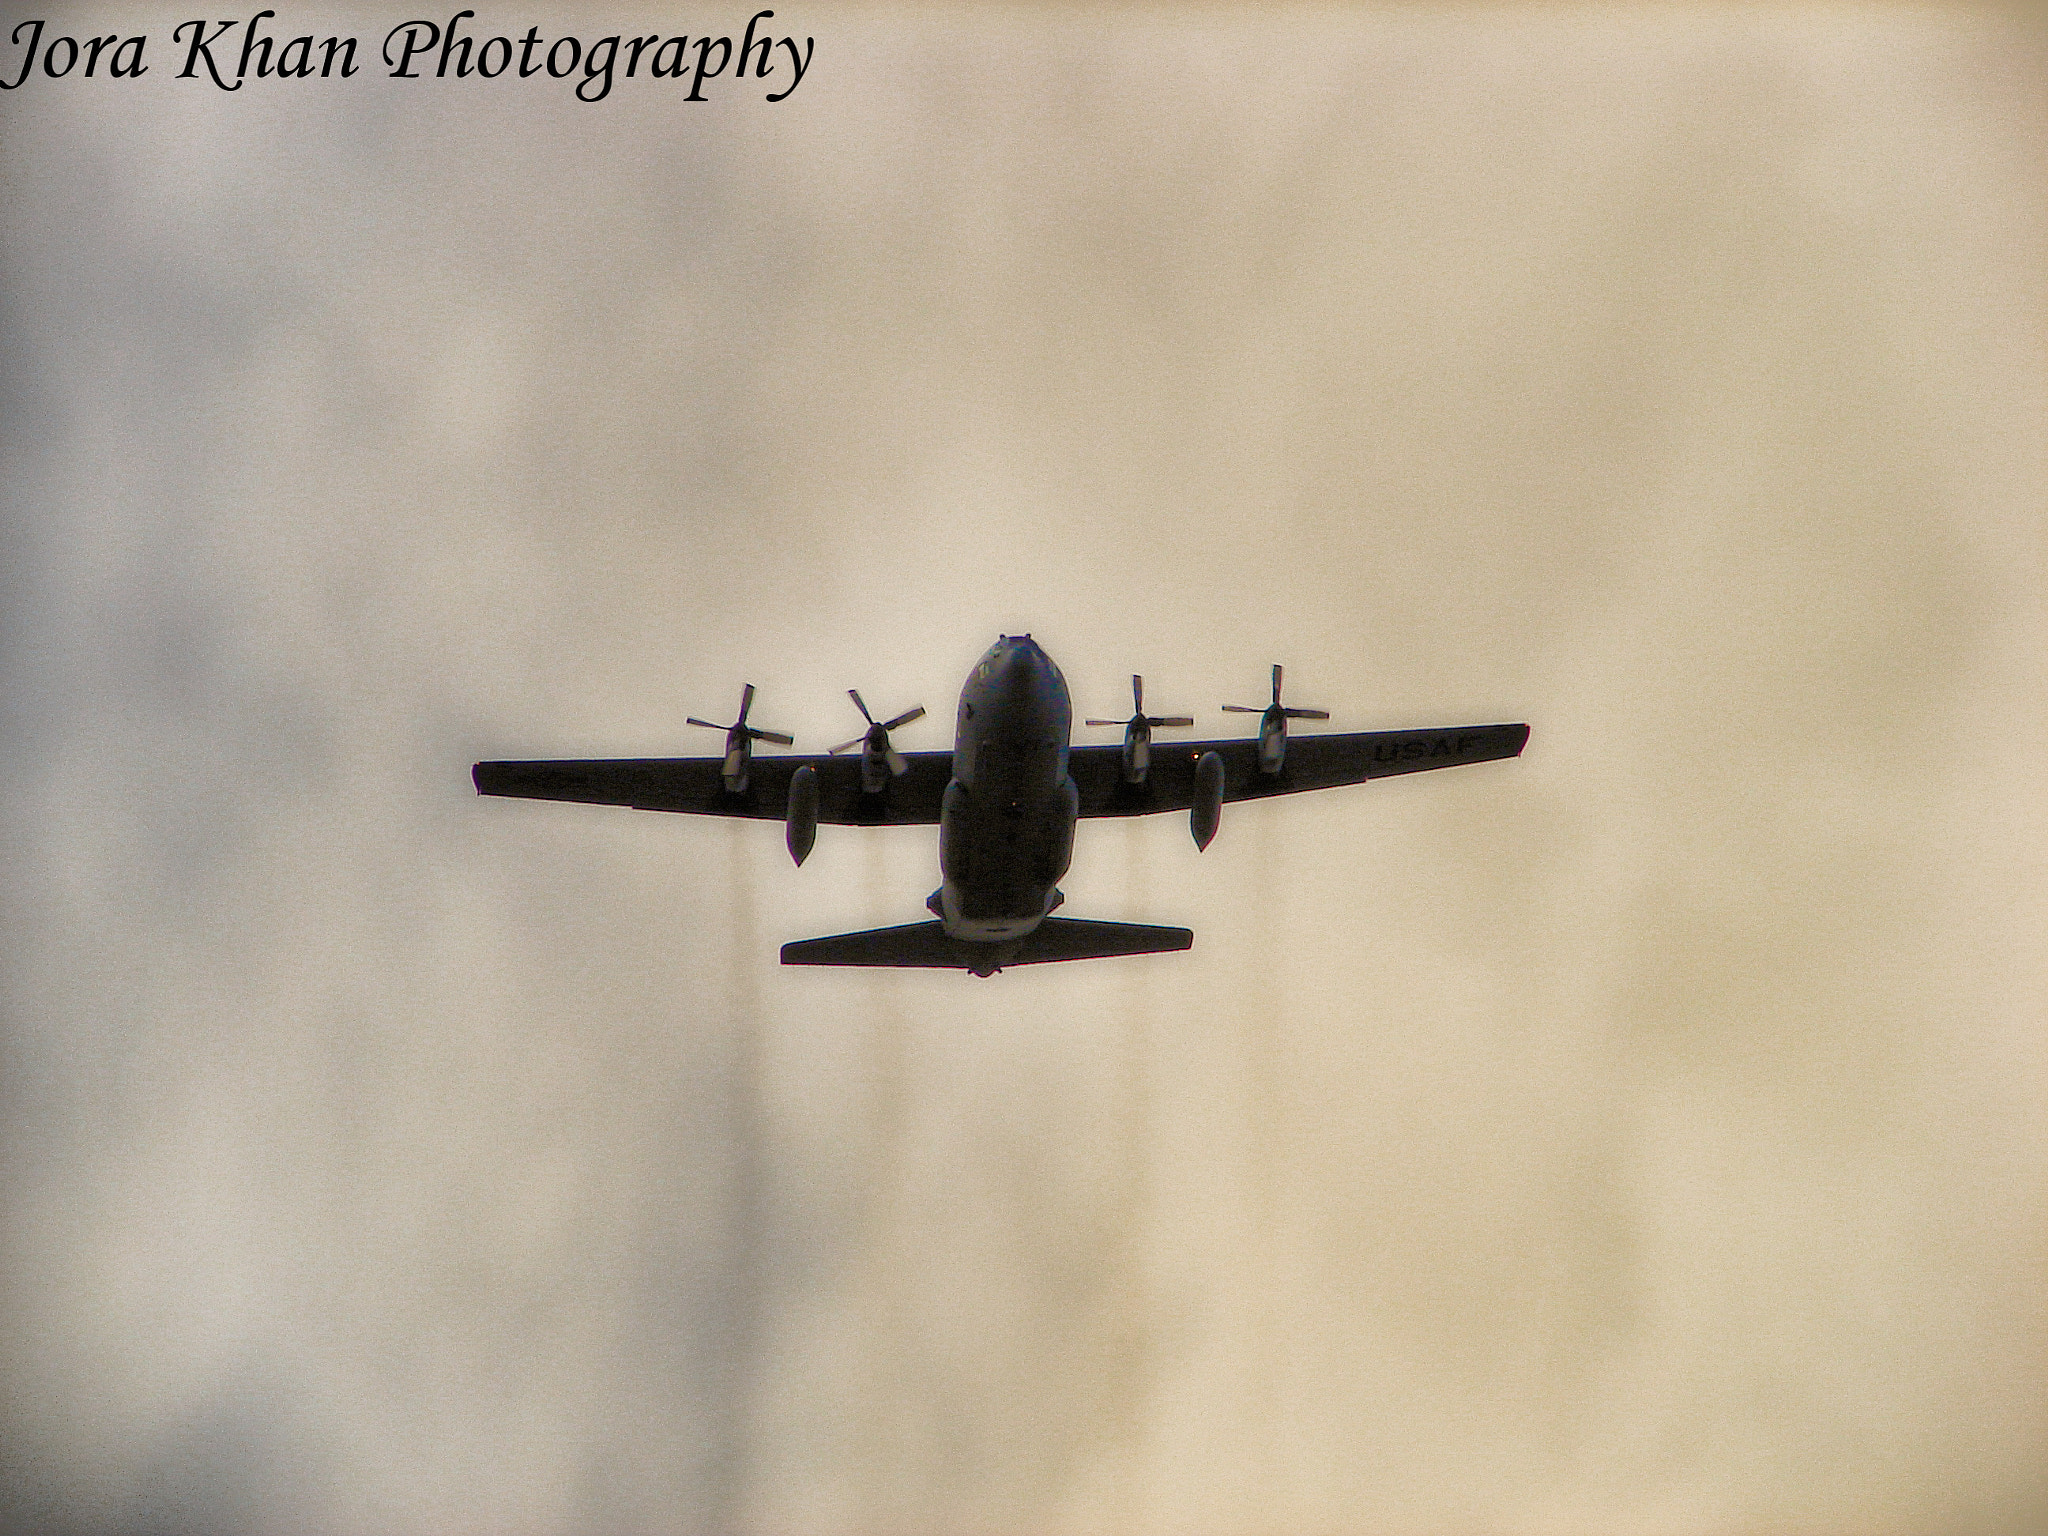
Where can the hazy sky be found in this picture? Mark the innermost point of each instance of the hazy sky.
(1642, 1137)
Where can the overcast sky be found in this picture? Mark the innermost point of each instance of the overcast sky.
(1641, 1137)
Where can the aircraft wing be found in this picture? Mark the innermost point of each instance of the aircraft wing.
(1312, 762)
(695, 785)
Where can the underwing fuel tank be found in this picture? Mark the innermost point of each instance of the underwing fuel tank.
(1207, 811)
(802, 828)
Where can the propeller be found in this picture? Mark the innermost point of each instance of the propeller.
(877, 734)
(1139, 717)
(1138, 732)
(739, 730)
(1290, 714)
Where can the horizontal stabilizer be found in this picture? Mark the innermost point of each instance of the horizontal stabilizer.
(926, 944)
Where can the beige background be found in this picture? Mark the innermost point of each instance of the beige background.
(1642, 1137)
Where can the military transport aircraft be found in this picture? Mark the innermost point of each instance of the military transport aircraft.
(1005, 800)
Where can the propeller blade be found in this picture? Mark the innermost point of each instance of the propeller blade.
(854, 694)
(905, 718)
(746, 731)
(1245, 709)
(848, 746)
(1102, 722)
(1137, 693)
(1306, 714)
(898, 764)
(1276, 682)
(1171, 720)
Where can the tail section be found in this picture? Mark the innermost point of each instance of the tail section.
(926, 944)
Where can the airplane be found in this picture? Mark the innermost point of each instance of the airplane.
(1005, 800)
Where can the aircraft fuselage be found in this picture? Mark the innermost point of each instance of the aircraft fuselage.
(1006, 827)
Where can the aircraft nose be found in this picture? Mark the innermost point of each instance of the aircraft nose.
(1017, 664)
(1005, 678)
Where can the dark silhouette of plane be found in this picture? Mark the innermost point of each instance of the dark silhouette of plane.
(1005, 800)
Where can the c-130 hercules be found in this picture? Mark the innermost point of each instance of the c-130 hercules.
(1005, 800)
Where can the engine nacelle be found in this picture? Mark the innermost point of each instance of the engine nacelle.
(739, 754)
(801, 830)
(1137, 752)
(1207, 811)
